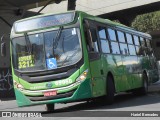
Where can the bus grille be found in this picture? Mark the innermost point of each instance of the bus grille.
(58, 96)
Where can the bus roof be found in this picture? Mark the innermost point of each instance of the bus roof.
(117, 25)
(98, 19)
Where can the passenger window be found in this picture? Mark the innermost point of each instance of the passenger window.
(132, 50)
(105, 46)
(112, 34)
(102, 33)
(136, 40)
(104, 40)
(142, 42)
(115, 48)
(129, 38)
(124, 49)
(121, 37)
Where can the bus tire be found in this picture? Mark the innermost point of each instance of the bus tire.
(110, 90)
(144, 89)
(50, 107)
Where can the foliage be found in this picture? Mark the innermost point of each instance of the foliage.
(147, 22)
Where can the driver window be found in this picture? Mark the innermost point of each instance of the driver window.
(94, 40)
(92, 44)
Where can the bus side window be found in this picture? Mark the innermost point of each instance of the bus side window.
(124, 49)
(122, 43)
(114, 46)
(131, 47)
(104, 40)
(139, 49)
(129, 38)
(121, 37)
(132, 50)
(142, 41)
(136, 40)
(112, 34)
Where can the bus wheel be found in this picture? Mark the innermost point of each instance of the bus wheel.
(50, 107)
(110, 88)
(144, 89)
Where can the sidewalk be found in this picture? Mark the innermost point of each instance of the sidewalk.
(7, 99)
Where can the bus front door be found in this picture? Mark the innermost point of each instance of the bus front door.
(97, 78)
(95, 62)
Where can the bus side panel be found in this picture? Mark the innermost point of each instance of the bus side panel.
(138, 78)
(133, 72)
(98, 81)
(114, 64)
(149, 64)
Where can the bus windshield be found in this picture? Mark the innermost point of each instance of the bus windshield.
(47, 50)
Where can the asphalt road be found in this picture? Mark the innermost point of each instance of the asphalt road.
(123, 102)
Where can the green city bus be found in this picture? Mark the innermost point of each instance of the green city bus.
(74, 56)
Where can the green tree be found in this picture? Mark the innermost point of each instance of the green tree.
(147, 22)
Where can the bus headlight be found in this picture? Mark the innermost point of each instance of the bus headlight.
(82, 76)
(19, 86)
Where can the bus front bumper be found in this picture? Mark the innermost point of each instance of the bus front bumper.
(83, 91)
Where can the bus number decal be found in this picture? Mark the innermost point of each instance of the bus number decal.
(26, 61)
(63, 82)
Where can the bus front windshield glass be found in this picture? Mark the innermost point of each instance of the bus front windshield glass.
(47, 50)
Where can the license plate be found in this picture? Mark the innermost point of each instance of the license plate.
(50, 93)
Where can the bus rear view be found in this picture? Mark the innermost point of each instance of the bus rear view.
(47, 61)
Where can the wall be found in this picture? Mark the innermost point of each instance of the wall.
(6, 84)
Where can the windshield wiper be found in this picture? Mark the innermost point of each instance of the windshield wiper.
(55, 41)
(28, 43)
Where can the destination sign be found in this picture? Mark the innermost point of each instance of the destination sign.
(26, 61)
(43, 22)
